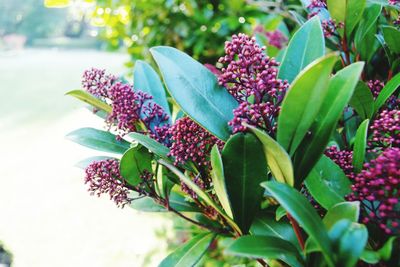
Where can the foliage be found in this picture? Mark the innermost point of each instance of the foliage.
(309, 177)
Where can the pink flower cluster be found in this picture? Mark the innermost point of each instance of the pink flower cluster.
(343, 158)
(251, 77)
(329, 26)
(386, 129)
(97, 82)
(377, 187)
(190, 142)
(104, 177)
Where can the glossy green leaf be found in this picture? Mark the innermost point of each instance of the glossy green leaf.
(266, 225)
(146, 79)
(280, 213)
(367, 23)
(392, 38)
(190, 253)
(303, 101)
(340, 211)
(339, 92)
(163, 183)
(306, 45)
(386, 92)
(98, 140)
(134, 163)
(349, 240)
(347, 11)
(268, 247)
(90, 99)
(196, 90)
(363, 101)
(202, 195)
(277, 158)
(241, 158)
(327, 183)
(304, 213)
(360, 145)
(151, 144)
(218, 180)
(83, 164)
(384, 253)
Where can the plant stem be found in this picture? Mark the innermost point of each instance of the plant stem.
(297, 230)
(262, 262)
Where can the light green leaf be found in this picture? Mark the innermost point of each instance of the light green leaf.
(218, 180)
(268, 247)
(386, 92)
(303, 101)
(90, 99)
(146, 79)
(327, 183)
(392, 38)
(196, 90)
(190, 253)
(306, 45)
(133, 163)
(339, 92)
(360, 145)
(363, 101)
(347, 11)
(241, 157)
(302, 211)
(98, 140)
(277, 158)
(340, 211)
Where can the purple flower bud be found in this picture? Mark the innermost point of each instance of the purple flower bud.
(97, 82)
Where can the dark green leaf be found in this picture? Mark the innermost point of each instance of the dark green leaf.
(340, 211)
(218, 179)
(303, 101)
(268, 247)
(86, 162)
(241, 157)
(384, 253)
(327, 183)
(196, 90)
(387, 91)
(190, 253)
(151, 144)
(98, 140)
(306, 45)
(277, 158)
(90, 99)
(363, 101)
(339, 92)
(133, 163)
(392, 38)
(367, 23)
(360, 145)
(302, 211)
(145, 79)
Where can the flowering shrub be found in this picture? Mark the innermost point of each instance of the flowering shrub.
(289, 162)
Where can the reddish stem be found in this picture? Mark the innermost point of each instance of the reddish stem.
(390, 75)
(297, 230)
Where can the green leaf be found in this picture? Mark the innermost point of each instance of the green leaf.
(241, 157)
(196, 90)
(203, 195)
(268, 247)
(266, 225)
(83, 164)
(98, 140)
(349, 240)
(302, 211)
(327, 183)
(340, 211)
(384, 253)
(56, 3)
(176, 201)
(339, 92)
(190, 253)
(280, 213)
(306, 45)
(90, 99)
(218, 180)
(133, 164)
(363, 101)
(360, 145)
(151, 144)
(392, 38)
(146, 79)
(367, 23)
(303, 101)
(277, 158)
(386, 92)
(347, 11)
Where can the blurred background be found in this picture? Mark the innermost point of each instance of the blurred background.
(46, 216)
